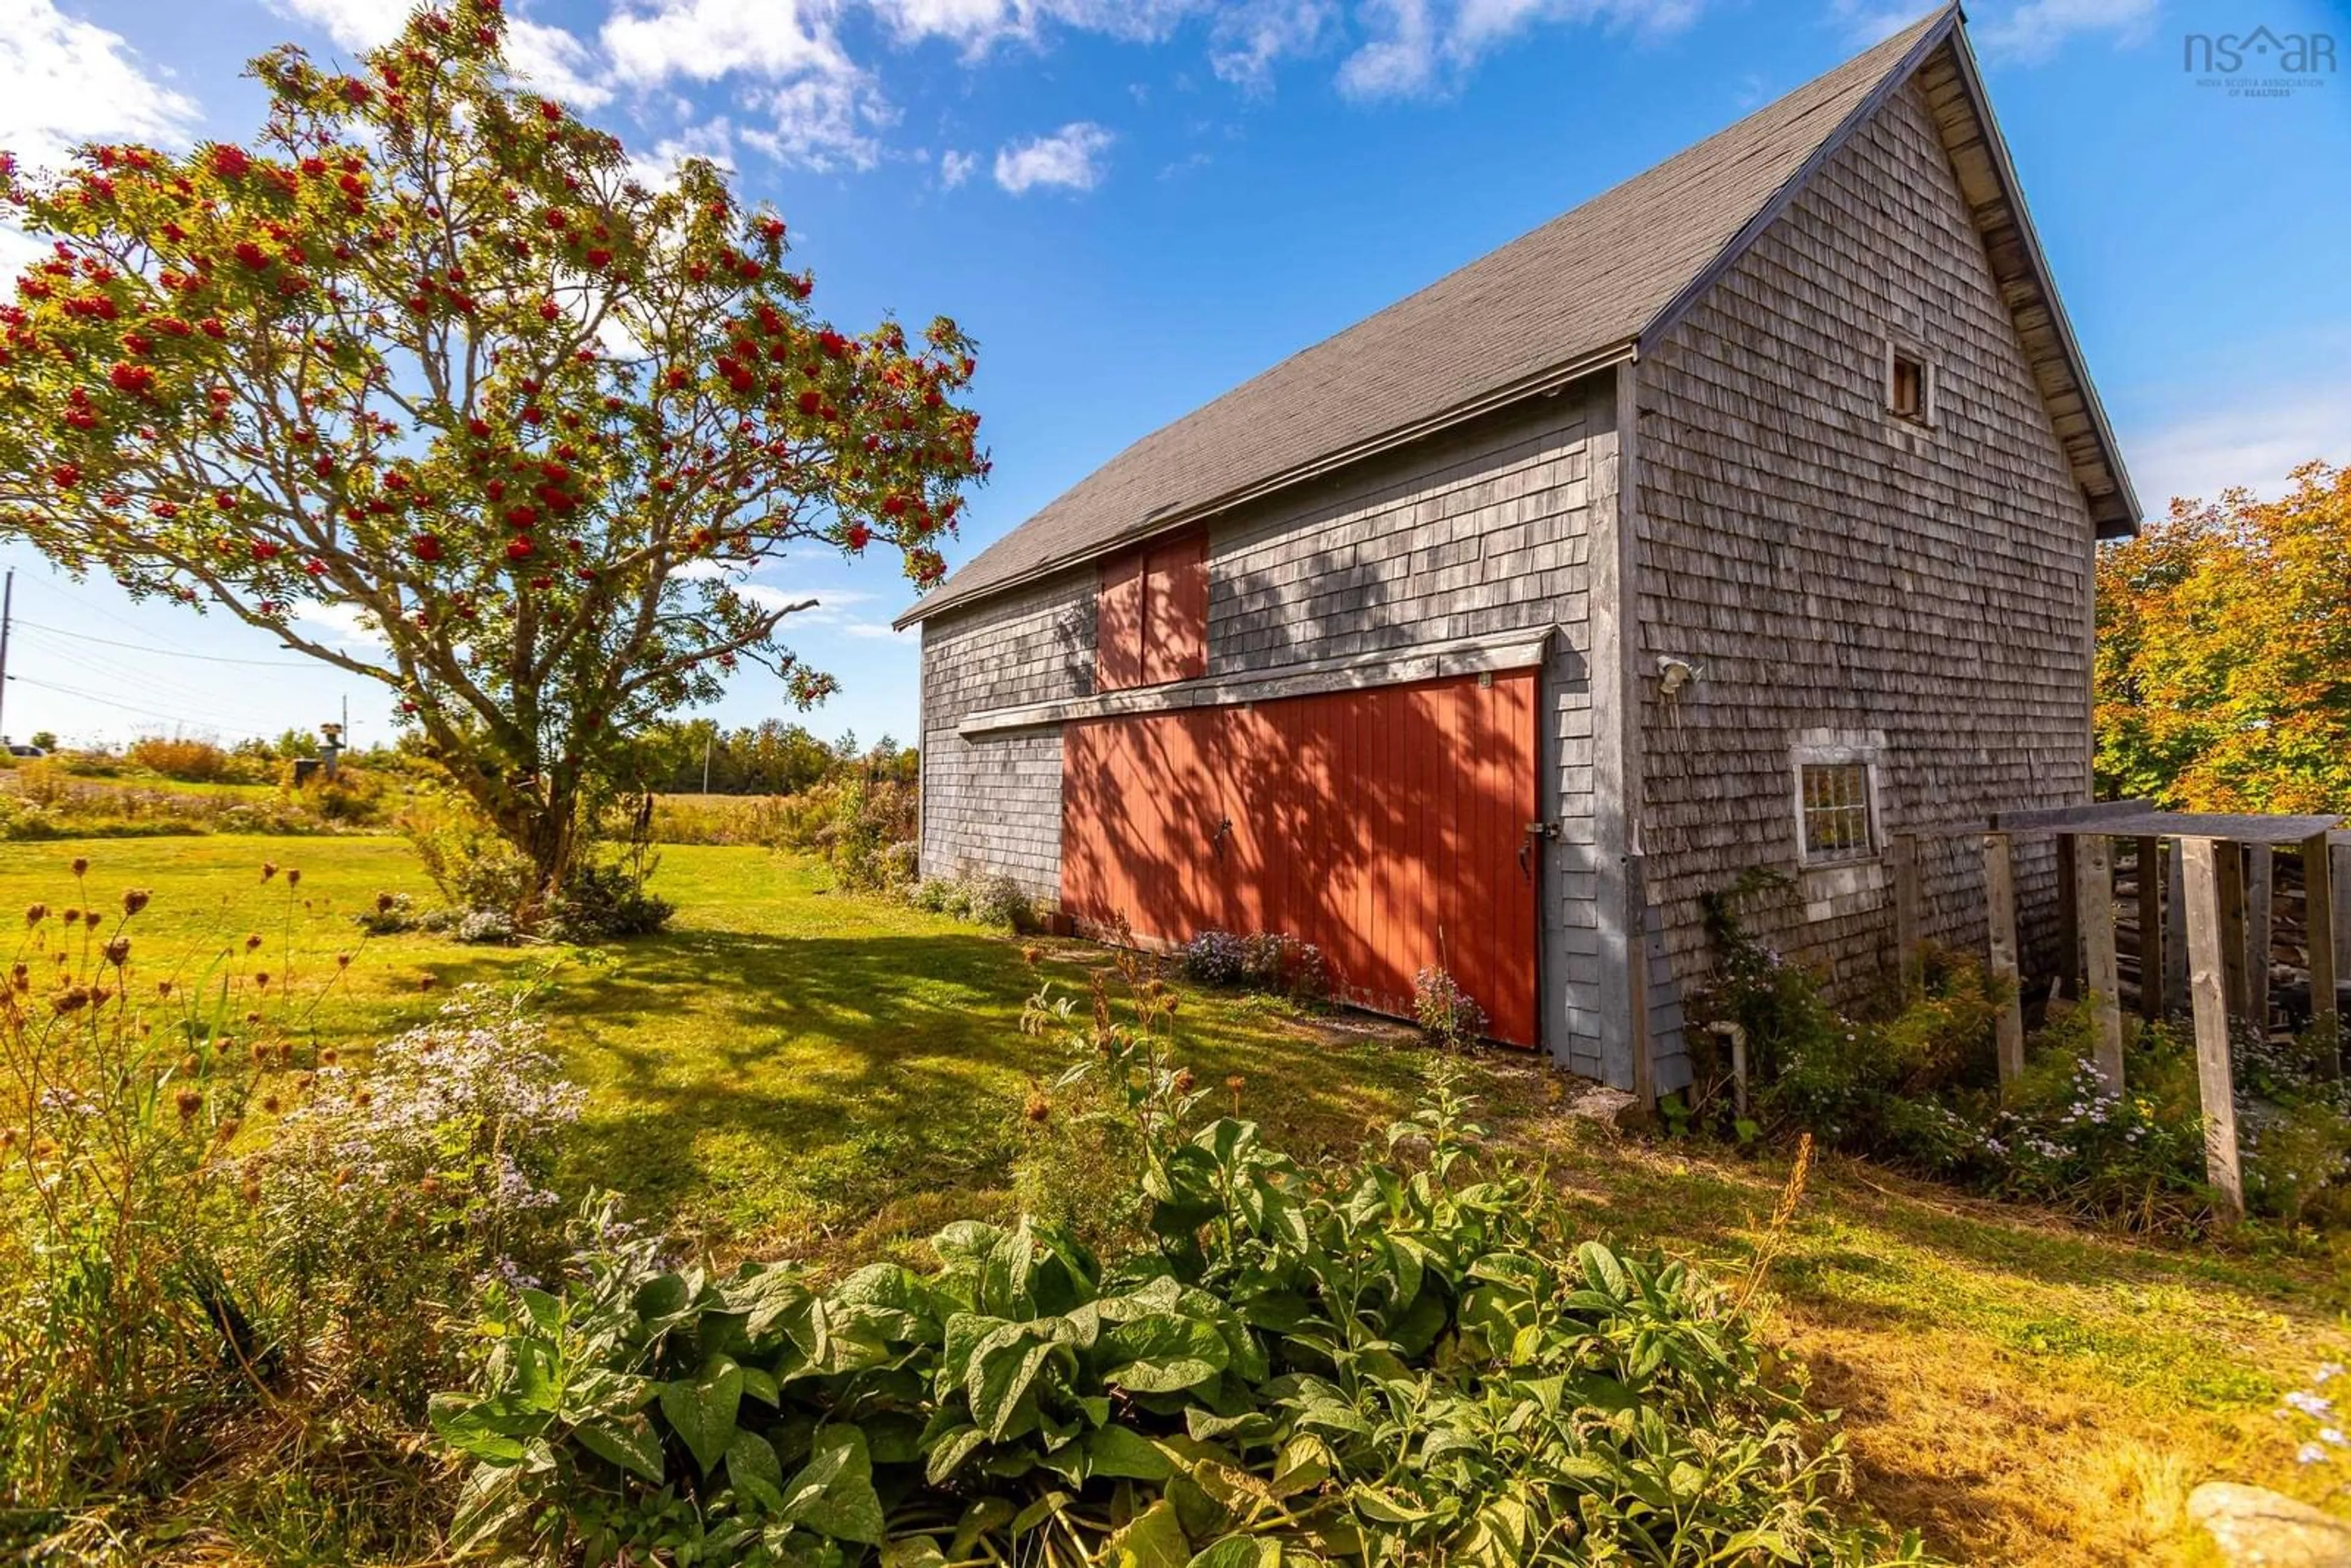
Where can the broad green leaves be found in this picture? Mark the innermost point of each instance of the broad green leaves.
(1388, 1367)
(701, 1410)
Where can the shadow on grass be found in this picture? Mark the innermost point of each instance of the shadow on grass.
(746, 1084)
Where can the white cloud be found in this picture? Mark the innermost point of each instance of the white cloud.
(1248, 38)
(824, 122)
(706, 39)
(345, 625)
(657, 170)
(556, 62)
(354, 23)
(69, 81)
(1427, 46)
(1401, 59)
(955, 167)
(2255, 443)
(2037, 29)
(1071, 158)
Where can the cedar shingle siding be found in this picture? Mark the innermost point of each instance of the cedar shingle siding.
(1834, 569)
(1845, 585)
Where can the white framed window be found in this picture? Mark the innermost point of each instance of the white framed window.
(1836, 818)
(1910, 384)
(1834, 789)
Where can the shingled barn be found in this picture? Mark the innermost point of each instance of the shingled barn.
(1741, 518)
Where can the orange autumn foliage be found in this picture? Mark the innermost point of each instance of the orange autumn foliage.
(2223, 675)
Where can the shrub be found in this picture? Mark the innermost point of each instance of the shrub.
(1447, 1015)
(191, 761)
(1389, 1364)
(998, 900)
(388, 1193)
(469, 860)
(850, 822)
(1270, 961)
(987, 899)
(608, 899)
(1213, 959)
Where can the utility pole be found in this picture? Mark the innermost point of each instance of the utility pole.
(706, 740)
(347, 717)
(7, 608)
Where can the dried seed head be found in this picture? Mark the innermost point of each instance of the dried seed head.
(190, 1102)
(293, 877)
(262, 979)
(1039, 1109)
(253, 1018)
(384, 903)
(117, 952)
(189, 1065)
(268, 869)
(36, 913)
(250, 1191)
(269, 1103)
(1237, 1083)
(342, 960)
(90, 918)
(162, 988)
(81, 866)
(327, 1057)
(71, 917)
(71, 1000)
(425, 984)
(134, 900)
(252, 941)
(1184, 1081)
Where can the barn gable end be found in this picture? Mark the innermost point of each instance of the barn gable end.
(1851, 583)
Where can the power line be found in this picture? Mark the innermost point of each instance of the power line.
(172, 653)
(112, 666)
(202, 719)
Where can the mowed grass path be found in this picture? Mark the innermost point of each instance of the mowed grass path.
(790, 1070)
(784, 1067)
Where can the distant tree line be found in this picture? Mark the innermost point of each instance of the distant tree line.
(770, 757)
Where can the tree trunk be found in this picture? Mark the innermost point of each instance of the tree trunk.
(546, 830)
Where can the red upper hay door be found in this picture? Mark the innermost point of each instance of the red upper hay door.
(1387, 827)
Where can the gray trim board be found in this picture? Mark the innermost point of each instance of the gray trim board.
(1428, 662)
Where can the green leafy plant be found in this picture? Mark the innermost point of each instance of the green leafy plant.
(1396, 1362)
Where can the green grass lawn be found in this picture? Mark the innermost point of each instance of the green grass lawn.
(791, 1069)
(782, 1067)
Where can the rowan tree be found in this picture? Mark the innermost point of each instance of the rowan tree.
(426, 349)
(2223, 675)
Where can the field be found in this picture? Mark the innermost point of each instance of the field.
(790, 1070)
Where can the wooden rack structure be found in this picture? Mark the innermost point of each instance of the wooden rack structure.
(2203, 929)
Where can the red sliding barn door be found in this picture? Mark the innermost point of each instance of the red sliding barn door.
(1385, 826)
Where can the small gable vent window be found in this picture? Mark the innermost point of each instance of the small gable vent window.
(1909, 384)
(1833, 810)
(1151, 623)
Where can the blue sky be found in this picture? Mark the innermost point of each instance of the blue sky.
(1137, 204)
